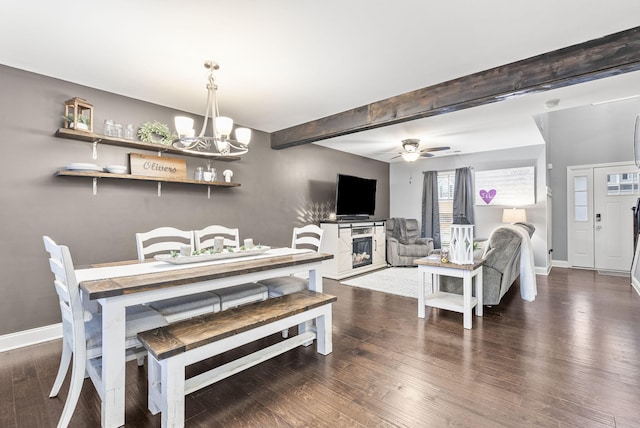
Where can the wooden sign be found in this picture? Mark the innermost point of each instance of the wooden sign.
(157, 166)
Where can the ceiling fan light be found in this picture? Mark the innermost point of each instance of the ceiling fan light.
(410, 157)
(411, 145)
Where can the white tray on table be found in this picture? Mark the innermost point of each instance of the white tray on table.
(178, 260)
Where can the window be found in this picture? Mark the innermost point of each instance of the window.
(622, 184)
(446, 181)
(580, 198)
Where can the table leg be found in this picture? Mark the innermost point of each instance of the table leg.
(315, 284)
(479, 292)
(466, 296)
(113, 364)
(315, 280)
(421, 291)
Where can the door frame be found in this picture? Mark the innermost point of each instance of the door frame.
(569, 183)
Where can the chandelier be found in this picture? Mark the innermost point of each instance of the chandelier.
(220, 142)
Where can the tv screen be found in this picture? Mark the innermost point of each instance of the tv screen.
(355, 196)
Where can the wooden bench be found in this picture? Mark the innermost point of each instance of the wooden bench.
(173, 347)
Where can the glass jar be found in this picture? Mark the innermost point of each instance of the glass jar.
(109, 128)
(128, 132)
(199, 174)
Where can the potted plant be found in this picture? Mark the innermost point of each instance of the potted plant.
(83, 121)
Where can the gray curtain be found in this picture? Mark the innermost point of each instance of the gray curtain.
(463, 195)
(430, 208)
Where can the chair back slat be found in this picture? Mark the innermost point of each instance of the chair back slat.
(309, 236)
(204, 238)
(66, 286)
(162, 240)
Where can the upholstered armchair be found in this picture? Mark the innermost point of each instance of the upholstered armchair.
(501, 267)
(404, 244)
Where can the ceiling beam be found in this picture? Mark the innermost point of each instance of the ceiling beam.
(596, 59)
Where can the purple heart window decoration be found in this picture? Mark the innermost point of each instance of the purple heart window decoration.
(488, 195)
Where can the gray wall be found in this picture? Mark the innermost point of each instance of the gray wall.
(279, 190)
(584, 136)
(406, 189)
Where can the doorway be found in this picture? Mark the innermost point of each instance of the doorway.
(599, 216)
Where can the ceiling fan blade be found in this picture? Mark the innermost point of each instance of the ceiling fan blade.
(396, 157)
(426, 155)
(436, 149)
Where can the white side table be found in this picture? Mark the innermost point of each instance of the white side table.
(453, 302)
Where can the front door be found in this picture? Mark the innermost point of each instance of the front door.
(615, 193)
(600, 221)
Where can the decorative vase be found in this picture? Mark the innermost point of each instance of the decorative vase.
(81, 126)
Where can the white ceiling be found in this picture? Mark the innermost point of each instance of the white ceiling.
(285, 62)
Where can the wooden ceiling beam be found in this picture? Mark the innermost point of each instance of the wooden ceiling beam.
(596, 59)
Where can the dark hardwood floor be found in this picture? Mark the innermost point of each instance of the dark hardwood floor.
(571, 358)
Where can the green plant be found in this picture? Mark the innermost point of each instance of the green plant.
(156, 132)
(81, 118)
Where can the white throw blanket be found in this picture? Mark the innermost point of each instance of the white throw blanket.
(528, 285)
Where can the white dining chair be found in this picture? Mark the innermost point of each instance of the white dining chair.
(165, 239)
(162, 239)
(306, 237)
(82, 330)
(309, 236)
(204, 238)
(236, 295)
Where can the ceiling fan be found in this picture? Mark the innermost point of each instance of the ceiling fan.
(411, 150)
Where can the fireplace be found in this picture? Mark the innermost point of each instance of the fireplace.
(362, 251)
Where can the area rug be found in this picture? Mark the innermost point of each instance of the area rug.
(396, 280)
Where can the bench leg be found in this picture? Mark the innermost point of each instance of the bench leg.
(323, 332)
(154, 401)
(303, 328)
(172, 386)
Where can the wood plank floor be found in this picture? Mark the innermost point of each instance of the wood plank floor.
(569, 359)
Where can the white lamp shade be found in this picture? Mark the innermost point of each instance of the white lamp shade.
(184, 126)
(243, 135)
(514, 215)
(410, 157)
(224, 125)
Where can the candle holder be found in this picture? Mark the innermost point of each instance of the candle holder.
(461, 244)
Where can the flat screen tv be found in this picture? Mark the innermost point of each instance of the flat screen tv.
(355, 196)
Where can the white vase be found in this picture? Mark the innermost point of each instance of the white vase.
(81, 126)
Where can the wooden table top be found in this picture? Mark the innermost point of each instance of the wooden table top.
(117, 286)
(476, 263)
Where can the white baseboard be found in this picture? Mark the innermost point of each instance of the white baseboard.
(543, 270)
(34, 336)
(560, 263)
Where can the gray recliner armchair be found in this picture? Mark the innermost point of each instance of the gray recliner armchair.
(404, 244)
(501, 267)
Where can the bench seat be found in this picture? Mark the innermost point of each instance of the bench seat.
(173, 347)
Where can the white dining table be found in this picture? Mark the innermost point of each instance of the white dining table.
(116, 286)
